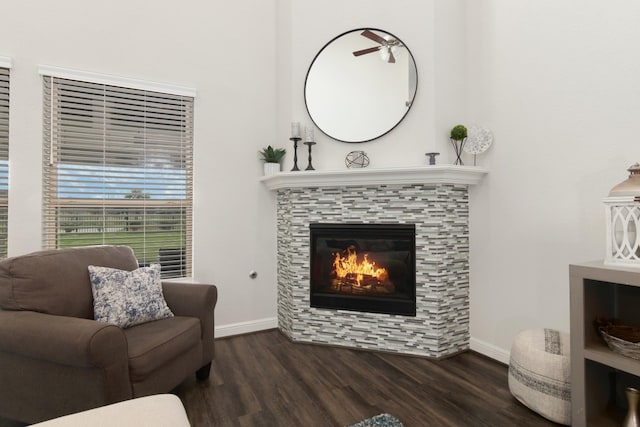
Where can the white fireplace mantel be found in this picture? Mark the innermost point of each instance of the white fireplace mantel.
(438, 174)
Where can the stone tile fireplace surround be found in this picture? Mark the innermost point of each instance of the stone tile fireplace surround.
(435, 199)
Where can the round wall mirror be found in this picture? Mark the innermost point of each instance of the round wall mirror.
(360, 85)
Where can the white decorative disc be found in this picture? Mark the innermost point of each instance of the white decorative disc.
(479, 139)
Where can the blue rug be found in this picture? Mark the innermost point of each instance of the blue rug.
(382, 420)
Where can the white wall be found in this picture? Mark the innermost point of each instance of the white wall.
(558, 84)
(438, 50)
(226, 50)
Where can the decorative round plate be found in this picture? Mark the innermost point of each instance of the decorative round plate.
(479, 139)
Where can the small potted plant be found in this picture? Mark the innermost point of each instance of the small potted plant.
(272, 157)
(458, 136)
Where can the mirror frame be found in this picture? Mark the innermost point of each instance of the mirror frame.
(367, 139)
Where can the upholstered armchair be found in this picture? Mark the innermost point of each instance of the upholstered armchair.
(55, 359)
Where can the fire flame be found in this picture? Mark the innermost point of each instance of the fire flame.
(349, 266)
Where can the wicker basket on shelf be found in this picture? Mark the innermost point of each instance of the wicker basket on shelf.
(622, 339)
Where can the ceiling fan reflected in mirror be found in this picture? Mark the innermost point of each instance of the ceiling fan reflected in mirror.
(388, 46)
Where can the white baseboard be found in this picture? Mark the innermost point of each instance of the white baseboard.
(240, 328)
(246, 327)
(490, 350)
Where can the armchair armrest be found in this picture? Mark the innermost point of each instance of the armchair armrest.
(82, 363)
(64, 340)
(194, 300)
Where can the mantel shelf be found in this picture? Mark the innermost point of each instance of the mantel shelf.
(438, 174)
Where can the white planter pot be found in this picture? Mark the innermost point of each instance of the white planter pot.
(271, 168)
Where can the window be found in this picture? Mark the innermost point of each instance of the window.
(118, 170)
(4, 155)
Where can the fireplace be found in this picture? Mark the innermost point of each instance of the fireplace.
(435, 199)
(363, 267)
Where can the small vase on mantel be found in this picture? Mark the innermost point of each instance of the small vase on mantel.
(271, 168)
(272, 157)
(633, 397)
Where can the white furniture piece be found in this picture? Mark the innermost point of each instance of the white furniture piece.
(160, 410)
(539, 373)
(599, 375)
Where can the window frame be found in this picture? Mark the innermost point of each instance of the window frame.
(54, 202)
(5, 88)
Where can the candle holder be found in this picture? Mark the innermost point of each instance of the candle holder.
(295, 140)
(458, 149)
(432, 157)
(309, 144)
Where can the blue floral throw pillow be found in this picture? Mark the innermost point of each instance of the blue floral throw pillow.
(127, 298)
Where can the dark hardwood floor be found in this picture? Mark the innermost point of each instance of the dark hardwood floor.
(263, 379)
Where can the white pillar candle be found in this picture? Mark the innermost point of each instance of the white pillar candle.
(295, 129)
(308, 134)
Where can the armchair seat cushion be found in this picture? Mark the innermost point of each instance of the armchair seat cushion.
(153, 344)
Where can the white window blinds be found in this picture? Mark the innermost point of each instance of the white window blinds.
(118, 170)
(4, 158)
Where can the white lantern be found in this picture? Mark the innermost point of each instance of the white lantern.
(623, 221)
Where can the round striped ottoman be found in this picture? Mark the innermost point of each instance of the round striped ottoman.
(539, 373)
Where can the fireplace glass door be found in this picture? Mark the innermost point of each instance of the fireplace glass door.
(364, 267)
